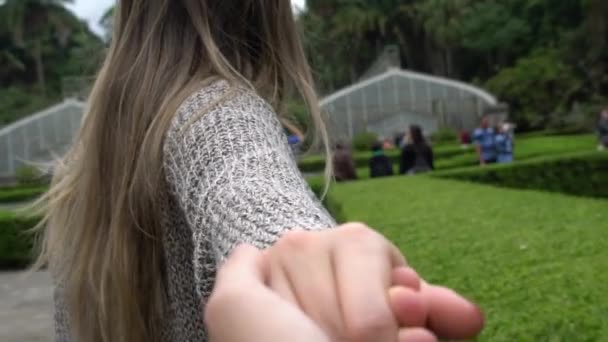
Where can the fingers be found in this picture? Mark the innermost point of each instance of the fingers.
(242, 308)
(409, 307)
(301, 272)
(362, 262)
(406, 277)
(416, 335)
(245, 264)
(450, 315)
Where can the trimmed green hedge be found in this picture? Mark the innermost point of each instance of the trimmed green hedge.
(333, 207)
(317, 163)
(16, 243)
(21, 194)
(582, 174)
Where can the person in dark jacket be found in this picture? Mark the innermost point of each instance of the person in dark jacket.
(380, 165)
(344, 165)
(602, 130)
(417, 155)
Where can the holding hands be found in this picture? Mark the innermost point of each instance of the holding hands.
(347, 284)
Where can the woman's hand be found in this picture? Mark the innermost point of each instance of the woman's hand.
(340, 279)
(242, 307)
(335, 285)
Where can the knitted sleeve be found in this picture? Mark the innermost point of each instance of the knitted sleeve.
(234, 175)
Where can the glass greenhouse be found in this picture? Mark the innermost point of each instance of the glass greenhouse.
(40, 137)
(388, 103)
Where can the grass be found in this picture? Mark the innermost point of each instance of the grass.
(536, 262)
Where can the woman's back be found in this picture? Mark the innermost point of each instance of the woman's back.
(149, 202)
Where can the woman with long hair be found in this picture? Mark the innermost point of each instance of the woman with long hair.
(417, 155)
(180, 158)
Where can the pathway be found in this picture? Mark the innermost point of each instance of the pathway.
(26, 307)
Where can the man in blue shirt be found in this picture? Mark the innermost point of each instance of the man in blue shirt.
(485, 142)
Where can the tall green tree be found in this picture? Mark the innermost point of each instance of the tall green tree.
(30, 22)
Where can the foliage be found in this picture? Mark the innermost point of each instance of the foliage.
(29, 176)
(453, 156)
(582, 174)
(17, 102)
(542, 70)
(444, 135)
(533, 261)
(16, 242)
(364, 141)
(21, 193)
(41, 43)
(539, 56)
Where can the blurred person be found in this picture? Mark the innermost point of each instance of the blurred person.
(465, 138)
(504, 144)
(387, 144)
(379, 164)
(343, 163)
(181, 157)
(485, 143)
(602, 130)
(417, 155)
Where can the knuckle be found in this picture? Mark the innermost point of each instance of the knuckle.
(358, 231)
(369, 326)
(296, 239)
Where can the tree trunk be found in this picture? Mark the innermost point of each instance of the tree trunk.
(39, 66)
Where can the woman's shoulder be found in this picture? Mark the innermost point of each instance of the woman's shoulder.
(220, 98)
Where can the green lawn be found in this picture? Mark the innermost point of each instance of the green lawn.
(535, 262)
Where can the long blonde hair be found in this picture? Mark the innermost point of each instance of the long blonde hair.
(102, 228)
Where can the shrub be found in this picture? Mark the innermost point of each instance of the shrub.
(21, 194)
(364, 141)
(333, 207)
(317, 163)
(444, 135)
(582, 174)
(16, 243)
(29, 176)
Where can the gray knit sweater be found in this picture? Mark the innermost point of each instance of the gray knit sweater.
(232, 179)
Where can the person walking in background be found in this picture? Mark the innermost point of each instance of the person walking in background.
(485, 143)
(344, 165)
(602, 130)
(417, 155)
(380, 165)
(504, 144)
(465, 138)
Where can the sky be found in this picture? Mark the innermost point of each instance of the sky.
(92, 10)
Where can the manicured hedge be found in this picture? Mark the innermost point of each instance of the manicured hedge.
(333, 207)
(582, 174)
(16, 241)
(317, 163)
(21, 194)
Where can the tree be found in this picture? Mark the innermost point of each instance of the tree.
(30, 22)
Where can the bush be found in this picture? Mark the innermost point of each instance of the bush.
(333, 207)
(582, 174)
(16, 243)
(29, 176)
(21, 194)
(364, 141)
(317, 163)
(444, 135)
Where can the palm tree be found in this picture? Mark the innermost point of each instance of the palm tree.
(30, 22)
(441, 20)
